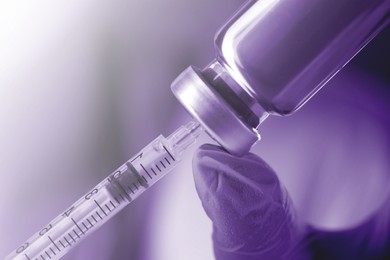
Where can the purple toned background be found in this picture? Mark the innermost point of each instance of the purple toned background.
(85, 85)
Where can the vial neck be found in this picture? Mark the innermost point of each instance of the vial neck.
(209, 97)
(234, 94)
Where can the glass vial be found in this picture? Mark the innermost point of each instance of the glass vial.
(271, 57)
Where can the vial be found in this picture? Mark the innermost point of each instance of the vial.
(271, 57)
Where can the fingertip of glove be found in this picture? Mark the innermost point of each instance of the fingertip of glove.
(218, 155)
(204, 163)
(206, 149)
(213, 168)
(207, 156)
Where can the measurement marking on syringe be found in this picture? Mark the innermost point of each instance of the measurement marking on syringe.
(51, 249)
(27, 257)
(143, 177)
(167, 160)
(77, 225)
(117, 201)
(89, 222)
(108, 207)
(94, 218)
(97, 203)
(74, 231)
(67, 241)
(112, 203)
(140, 183)
(98, 215)
(130, 189)
(138, 156)
(71, 237)
(158, 168)
(54, 243)
(85, 226)
(62, 244)
(48, 254)
(163, 164)
(42, 257)
(145, 171)
(124, 191)
(135, 185)
(153, 171)
(168, 152)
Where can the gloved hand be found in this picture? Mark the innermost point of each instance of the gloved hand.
(250, 211)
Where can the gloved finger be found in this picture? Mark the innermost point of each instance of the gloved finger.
(244, 199)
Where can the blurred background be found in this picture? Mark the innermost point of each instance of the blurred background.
(84, 85)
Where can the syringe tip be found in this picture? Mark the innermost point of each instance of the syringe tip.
(194, 128)
(184, 136)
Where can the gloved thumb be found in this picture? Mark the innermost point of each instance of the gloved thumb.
(242, 196)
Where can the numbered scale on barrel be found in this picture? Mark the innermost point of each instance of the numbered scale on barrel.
(108, 197)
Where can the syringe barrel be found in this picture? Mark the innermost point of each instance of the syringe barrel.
(108, 197)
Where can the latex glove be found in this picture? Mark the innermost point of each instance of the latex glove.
(250, 211)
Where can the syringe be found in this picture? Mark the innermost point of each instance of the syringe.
(108, 197)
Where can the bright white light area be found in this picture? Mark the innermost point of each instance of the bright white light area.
(29, 27)
(239, 30)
